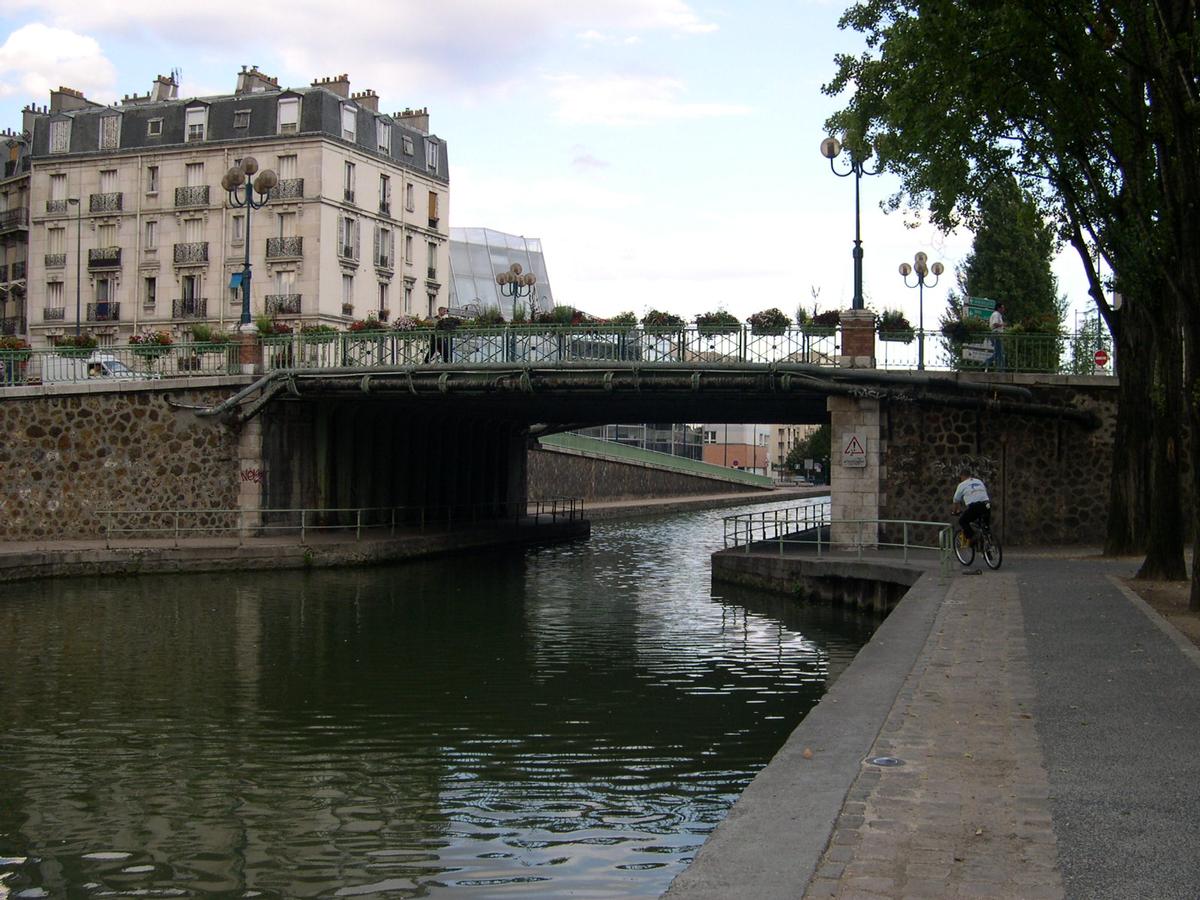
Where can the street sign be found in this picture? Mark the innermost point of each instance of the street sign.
(854, 450)
(1101, 357)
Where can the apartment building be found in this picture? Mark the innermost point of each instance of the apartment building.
(357, 225)
(737, 446)
(14, 234)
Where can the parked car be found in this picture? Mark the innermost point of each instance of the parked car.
(97, 365)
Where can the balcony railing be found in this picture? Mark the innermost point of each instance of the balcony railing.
(56, 207)
(104, 312)
(101, 203)
(195, 195)
(283, 304)
(54, 314)
(281, 247)
(104, 258)
(288, 189)
(383, 262)
(11, 325)
(189, 308)
(433, 222)
(191, 252)
(56, 260)
(12, 219)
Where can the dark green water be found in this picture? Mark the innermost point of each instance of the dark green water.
(566, 721)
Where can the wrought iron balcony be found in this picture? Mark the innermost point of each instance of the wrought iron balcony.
(283, 304)
(104, 312)
(104, 258)
(288, 189)
(101, 203)
(56, 207)
(196, 195)
(54, 314)
(189, 308)
(191, 253)
(11, 325)
(56, 260)
(282, 247)
(14, 219)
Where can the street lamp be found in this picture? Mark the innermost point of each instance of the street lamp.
(78, 259)
(830, 148)
(241, 192)
(514, 284)
(922, 268)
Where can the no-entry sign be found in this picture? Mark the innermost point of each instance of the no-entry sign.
(1101, 357)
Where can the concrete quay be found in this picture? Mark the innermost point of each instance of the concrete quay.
(1045, 721)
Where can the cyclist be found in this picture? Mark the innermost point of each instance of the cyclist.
(971, 497)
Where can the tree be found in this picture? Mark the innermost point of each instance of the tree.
(815, 446)
(1092, 109)
(1011, 258)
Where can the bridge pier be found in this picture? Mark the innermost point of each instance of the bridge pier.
(854, 489)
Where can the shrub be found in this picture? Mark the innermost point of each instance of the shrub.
(773, 319)
(829, 318)
(75, 342)
(490, 315)
(370, 323)
(657, 318)
(268, 326)
(623, 318)
(448, 323)
(718, 319)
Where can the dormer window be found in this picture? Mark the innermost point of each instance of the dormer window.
(60, 136)
(241, 118)
(383, 132)
(196, 120)
(154, 128)
(349, 122)
(431, 155)
(110, 132)
(408, 145)
(289, 115)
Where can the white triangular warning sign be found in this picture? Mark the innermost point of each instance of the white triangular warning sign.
(854, 448)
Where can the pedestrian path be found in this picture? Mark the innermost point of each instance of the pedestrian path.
(1045, 727)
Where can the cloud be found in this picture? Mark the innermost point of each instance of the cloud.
(630, 100)
(583, 161)
(37, 58)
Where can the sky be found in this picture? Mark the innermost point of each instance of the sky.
(665, 152)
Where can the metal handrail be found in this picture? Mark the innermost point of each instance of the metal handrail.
(180, 523)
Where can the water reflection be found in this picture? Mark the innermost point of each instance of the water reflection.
(569, 721)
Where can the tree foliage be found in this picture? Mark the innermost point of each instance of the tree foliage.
(815, 446)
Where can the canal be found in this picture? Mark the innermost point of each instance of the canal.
(563, 721)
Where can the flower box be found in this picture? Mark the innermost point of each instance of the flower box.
(899, 337)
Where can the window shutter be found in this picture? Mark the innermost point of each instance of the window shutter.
(357, 229)
(341, 238)
(377, 244)
(391, 247)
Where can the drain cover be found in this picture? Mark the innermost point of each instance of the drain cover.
(885, 761)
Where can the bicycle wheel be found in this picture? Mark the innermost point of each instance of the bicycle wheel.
(963, 548)
(992, 553)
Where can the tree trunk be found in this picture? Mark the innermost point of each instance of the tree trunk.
(1129, 486)
(1164, 547)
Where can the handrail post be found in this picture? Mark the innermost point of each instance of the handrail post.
(176, 528)
(358, 524)
(906, 541)
(302, 523)
(393, 513)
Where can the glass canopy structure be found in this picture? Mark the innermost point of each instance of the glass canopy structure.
(478, 255)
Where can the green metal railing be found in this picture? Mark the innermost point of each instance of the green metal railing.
(112, 364)
(177, 524)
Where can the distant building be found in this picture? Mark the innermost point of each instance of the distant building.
(738, 446)
(783, 438)
(14, 234)
(356, 226)
(478, 255)
(677, 440)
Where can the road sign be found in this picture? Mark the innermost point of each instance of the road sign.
(854, 450)
(1101, 357)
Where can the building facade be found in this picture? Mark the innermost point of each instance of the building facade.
(14, 235)
(129, 197)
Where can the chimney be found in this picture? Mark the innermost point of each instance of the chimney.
(164, 88)
(135, 99)
(338, 84)
(367, 99)
(30, 115)
(252, 81)
(417, 119)
(66, 99)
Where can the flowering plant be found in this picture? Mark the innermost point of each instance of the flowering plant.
(14, 348)
(831, 318)
(893, 326)
(410, 323)
(769, 321)
(268, 327)
(657, 318)
(370, 323)
(75, 344)
(719, 320)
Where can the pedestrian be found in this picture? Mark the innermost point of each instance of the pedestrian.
(997, 325)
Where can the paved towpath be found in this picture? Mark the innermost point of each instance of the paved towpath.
(1048, 725)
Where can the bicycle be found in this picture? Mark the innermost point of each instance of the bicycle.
(964, 549)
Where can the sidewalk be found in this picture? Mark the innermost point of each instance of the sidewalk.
(1046, 725)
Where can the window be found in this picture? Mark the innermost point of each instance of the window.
(286, 166)
(289, 115)
(110, 132)
(285, 282)
(383, 134)
(347, 290)
(58, 188)
(154, 128)
(407, 300)
(56, 240)
(349, 122)
(151, 235)
(409, 193)
(347, 237)
(431, 297)
(710, 437)
(149, 292)
(431, 155)
(60, 136)
(104, 292)
(194, 174)
(384, 247)
(108, 181)
(287, 224)
(383, 296)
(348, 182)
(151, 179)
(196, 119)
(433, 260)
(54, 295)
(241, 118)
(408, 145)
(106, 236)
(385, 194)
(433, 209)
(193, 230)
(408, 250)
(191, 290)
(238, 231)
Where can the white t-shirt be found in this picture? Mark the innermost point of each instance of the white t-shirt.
(996, 321)
(971, 491)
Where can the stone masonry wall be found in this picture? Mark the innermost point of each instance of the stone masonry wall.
(1048, 478)
(65, 456)
(554, 473)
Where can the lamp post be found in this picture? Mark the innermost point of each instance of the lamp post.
(921, 268)
(78, 261)
(237, 183)
(830, 148)
(515, 285)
